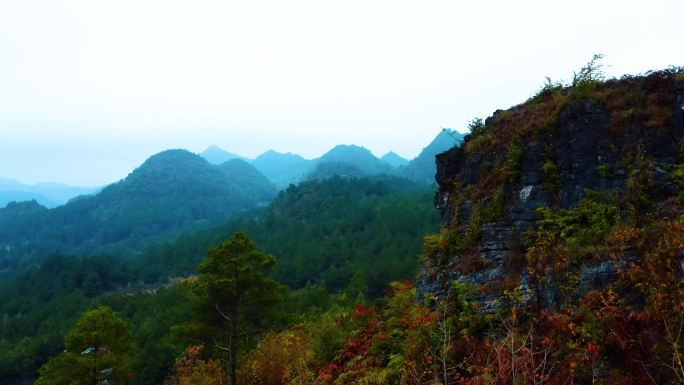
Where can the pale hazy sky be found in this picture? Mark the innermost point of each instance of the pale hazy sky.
(90, 88)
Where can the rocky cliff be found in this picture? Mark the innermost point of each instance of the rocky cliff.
(558, 196)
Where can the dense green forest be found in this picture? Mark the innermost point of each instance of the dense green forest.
(337, 232)
(347, 237)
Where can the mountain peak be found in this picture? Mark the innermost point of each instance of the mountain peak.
(275, 155)
(394, 159)
(342, 152)
(216, 155)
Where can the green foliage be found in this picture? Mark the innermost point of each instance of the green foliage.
(677, 176)
(638, 196)
(512, 164)
(98, 349)
(433, 244)
(455, 239)
(233, 292)
(329, 333)
(604, 171)
(587, 79)
(548, 89)
(370, 226)
(551, 175)
(324, 232)
(154, 318)
(574, 230)
(476, 126)
(494, 209)
(592, 72)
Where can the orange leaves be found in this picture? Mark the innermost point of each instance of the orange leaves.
(190, 369)
(279, 359)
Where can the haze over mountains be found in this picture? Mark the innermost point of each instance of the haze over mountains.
(394, 159)
(283, 169)
(172, 191)
(47, 194)
(176, 191)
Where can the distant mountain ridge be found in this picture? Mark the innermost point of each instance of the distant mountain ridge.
(282, 169)
(422, 168)
(394, 159)
(331, 169)
(171, 192)
(176, 191)
(217, 155)
(345, 160)
(47, 194)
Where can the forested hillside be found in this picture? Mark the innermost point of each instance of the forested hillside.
(338, 232)
(283, 169)
(172, 192)
(348, 236)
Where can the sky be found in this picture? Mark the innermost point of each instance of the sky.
(90, 88)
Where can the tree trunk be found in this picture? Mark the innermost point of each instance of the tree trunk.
(233, 344)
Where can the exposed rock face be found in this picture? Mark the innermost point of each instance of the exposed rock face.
(587, 148)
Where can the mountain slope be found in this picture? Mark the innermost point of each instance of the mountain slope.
(394, 160)
(325, 232)
(170, 192)
(422, 169)
(358, 157)
(282, 169)
(248, 181)
(327, 170)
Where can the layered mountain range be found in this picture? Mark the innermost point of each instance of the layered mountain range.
(47, 194)
(176, 191)
(170, 192)
(283, 169)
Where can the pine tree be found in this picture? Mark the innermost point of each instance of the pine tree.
(233, 291)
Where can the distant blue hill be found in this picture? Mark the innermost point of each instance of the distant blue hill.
(23, 196)
(217, 155)
(359, 157)
(327, 170)
(283, 169)
(422, 168)
(394, 160)
(47, 194)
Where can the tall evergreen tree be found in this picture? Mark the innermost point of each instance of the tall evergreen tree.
(233, 292)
